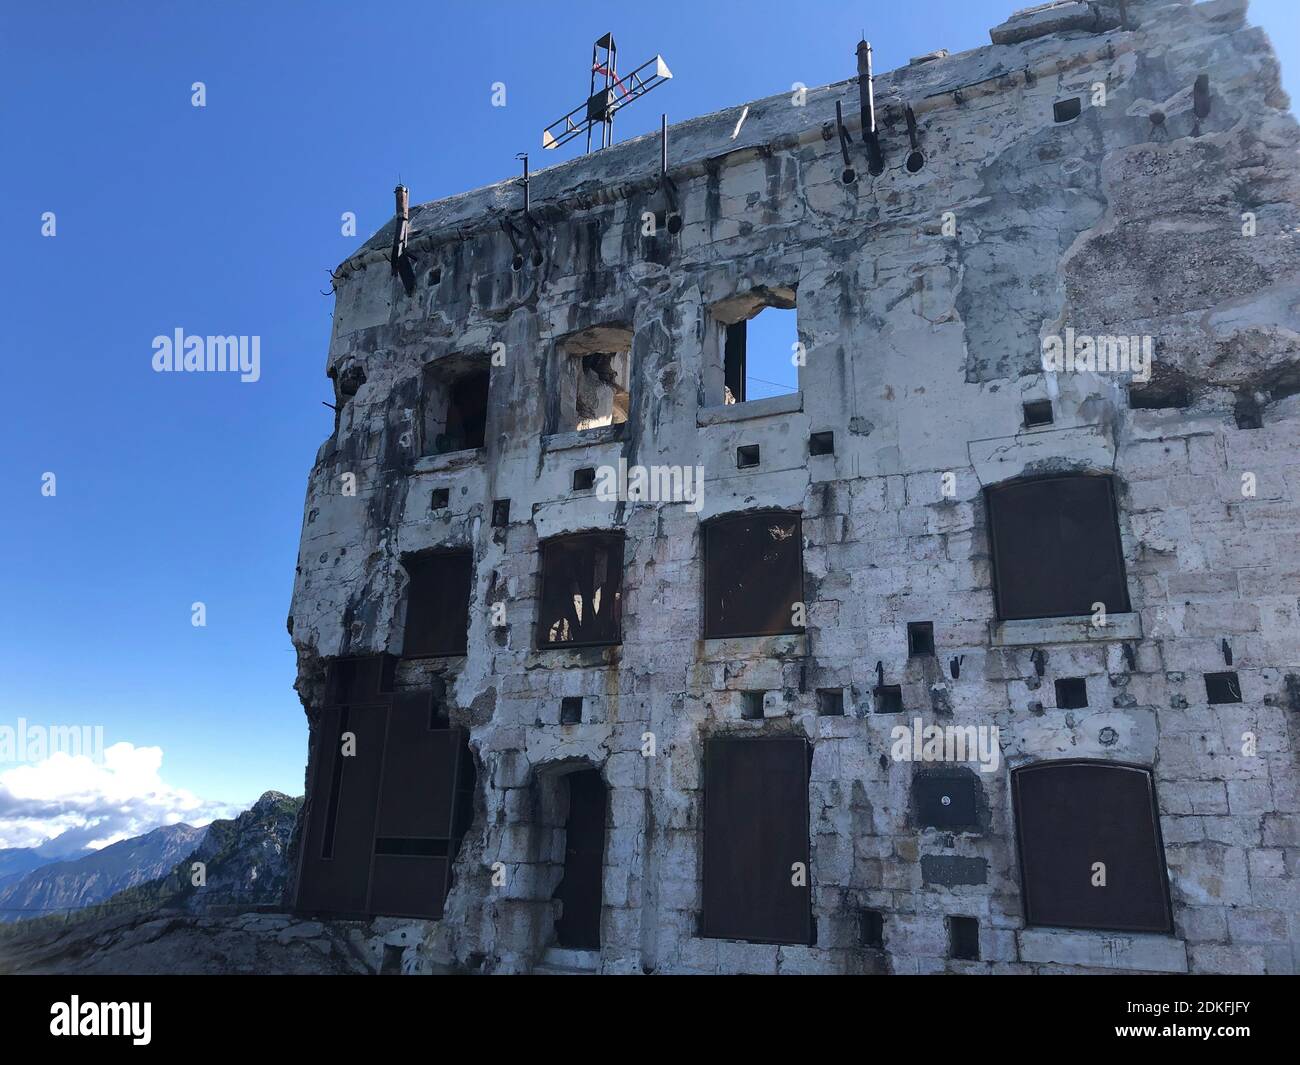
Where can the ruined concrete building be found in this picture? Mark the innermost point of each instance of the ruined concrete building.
(979, 652)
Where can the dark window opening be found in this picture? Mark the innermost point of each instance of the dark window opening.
(821, 443)
(1056, 548)
(830, 702)
(1222, 687)
(581, 888)
(889, 698)
(871, 928)
(1071, 693)
(1160, 395)
(1065, 110)
(751, 706)
(439, 499)
(757, 876)
(1038, 412)
(1247, 413)
(584, 478)
(753, 575)
(964, 938)
(595, 370)
(746, 456)
(1090, 849)
(437, 604)
(455, 403)
(920, 638)
(571, 710)
(500, 513)
(582, 590)
(435, 275)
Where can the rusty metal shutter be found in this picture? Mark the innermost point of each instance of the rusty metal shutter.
(437, 604)
(753, 574)
(1070, 815)
(384, 825)
(1056, 547)
(755, 830)
(582, 591)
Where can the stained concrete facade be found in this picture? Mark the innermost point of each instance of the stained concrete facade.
(923, 341)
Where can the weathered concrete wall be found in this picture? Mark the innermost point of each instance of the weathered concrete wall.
(923, 343)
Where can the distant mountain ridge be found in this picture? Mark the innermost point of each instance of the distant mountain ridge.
(19, 861)
(63, 885)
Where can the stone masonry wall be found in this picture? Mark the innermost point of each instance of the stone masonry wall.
(923, 343)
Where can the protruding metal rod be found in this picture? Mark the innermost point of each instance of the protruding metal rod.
(867, 98)
(912, 138)
(663, 145)
(524, 157)
(844, 133)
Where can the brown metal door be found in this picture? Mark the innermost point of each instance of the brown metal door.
(755, 831)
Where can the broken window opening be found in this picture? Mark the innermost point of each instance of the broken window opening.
(437, 604)
(595, 373)
(759, 353)
(454, 401)
(753, 575)
(1056, 547)
(582, 591)
(1090, 849)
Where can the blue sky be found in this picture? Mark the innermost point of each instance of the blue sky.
(177, 488)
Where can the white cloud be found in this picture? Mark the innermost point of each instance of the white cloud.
(86, 803)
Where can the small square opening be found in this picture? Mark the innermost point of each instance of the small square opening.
(746, 456)
(920, 638)
(571, 710)
(1071, 693)
(830, 702)
(1038, 412)
(889, 699)
(871, 928)
(1066, 110)
(1223, 687)
(822, 443)
(500, 513)
(751, 706)
(439, 499)
(964, 938)
(584, 478)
